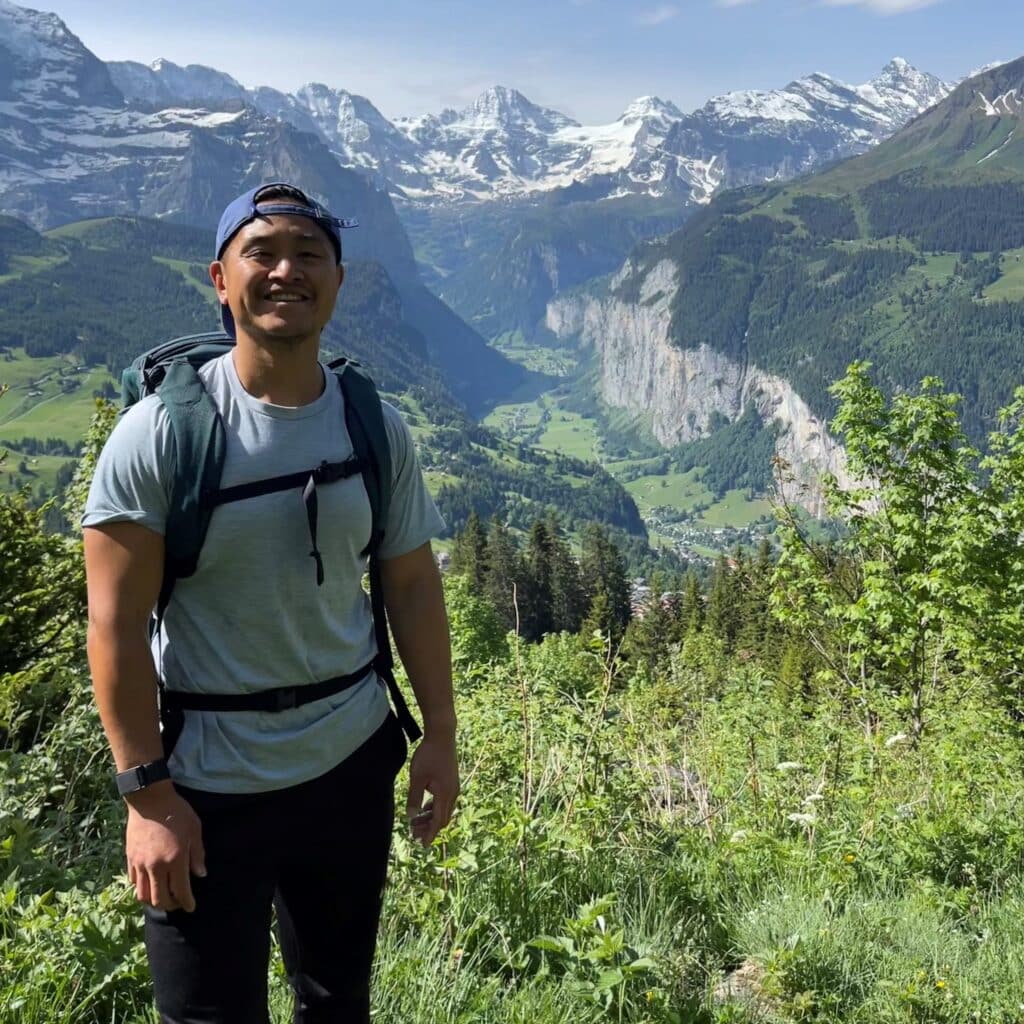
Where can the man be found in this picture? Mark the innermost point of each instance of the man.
(290, 809)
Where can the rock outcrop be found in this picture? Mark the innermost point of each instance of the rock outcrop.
(677, 390)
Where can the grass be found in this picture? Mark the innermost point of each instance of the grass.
(569, 433)
(937, 268)
(184, 268)
(1010, 286)
(515, 419)
(682, 491)
(54, 412)
(41, 475)
(558, 361)
(737, 510)
(21, 265)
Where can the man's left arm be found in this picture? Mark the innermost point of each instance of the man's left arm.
(415, 604)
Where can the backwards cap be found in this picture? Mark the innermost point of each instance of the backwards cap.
(285, 198)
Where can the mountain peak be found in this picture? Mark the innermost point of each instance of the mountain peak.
(644, 107)
(45, 62)
(898, 65)
(503, 107)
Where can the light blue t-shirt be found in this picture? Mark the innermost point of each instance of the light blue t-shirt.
(252, 617)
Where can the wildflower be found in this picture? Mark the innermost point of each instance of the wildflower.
(802, 819)
(897, 738)
(940, 982)
(789, 766)
(738, 836)
(849, 858)
(813, 798)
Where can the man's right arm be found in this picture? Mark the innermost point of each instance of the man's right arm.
(124, 567)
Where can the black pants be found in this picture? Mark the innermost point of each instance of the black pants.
(317, 853)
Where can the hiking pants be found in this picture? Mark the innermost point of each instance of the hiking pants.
(317, 853)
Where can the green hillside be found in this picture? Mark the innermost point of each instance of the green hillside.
(909, 256)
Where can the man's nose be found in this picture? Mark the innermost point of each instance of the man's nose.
(285, 268)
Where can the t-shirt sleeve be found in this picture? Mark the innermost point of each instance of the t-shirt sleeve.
(133, 472)
(412, 517)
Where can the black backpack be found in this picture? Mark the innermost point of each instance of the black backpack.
(171, 370)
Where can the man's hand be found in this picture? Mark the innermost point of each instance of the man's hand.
(163, 844)
(434, 769)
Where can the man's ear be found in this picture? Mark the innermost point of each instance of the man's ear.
(217, 277)
(341, 274)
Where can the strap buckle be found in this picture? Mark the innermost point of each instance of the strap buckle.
(286, 699)
(332, 472)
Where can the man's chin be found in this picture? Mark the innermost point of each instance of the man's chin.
(281, 333)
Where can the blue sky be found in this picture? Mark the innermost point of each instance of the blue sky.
(587, 58)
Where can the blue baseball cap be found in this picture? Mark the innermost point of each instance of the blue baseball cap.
(284, 198)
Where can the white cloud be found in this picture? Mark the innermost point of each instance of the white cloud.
(657, 15)
(885, 7)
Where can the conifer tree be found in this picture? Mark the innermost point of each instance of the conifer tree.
(650, 635)
(603, 575)
(540, 567)
(568, 600)
(503, 583)
(469, 553)
(723, 611)
(691, 608)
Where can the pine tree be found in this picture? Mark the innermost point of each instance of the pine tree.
(540, 567)
(603, 576)
(650, 636)
(469, 553)
(568, 600)
(691, 609)
(723, 611)
(503, 583)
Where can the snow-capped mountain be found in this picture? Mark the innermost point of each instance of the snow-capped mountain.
(41, 62)
(71, 147)
(166, 84)
(502, 145)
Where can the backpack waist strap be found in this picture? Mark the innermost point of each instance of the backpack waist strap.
(281, 698)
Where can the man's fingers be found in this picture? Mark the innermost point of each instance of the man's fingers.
(197, 857)
(160, 893)
(141, 880)
(414, 801)
(181, 885)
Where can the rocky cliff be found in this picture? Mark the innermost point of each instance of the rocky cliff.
(677, 390)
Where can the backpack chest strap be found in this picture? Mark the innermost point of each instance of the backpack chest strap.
(308, 480)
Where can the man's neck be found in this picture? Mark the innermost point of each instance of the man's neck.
(279, 373)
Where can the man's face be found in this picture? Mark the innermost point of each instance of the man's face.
(279, 278)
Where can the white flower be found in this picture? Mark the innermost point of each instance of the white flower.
(900, 737)
(738, 836)
(813, 798)
(789, 766)
(802, 819)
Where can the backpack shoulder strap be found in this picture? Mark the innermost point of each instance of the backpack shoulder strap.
(364, 419)
(199, 447)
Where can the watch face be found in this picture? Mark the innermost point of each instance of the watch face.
(133, 779)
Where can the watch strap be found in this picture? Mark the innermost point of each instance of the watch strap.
(142, 775)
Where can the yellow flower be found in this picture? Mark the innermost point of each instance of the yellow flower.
(940, 983)
(849, 858)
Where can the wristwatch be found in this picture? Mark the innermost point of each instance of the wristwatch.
(141, 776)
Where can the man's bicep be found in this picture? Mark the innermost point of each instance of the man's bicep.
(123, 567)
(402, 570)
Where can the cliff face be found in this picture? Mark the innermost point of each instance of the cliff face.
(677, 390)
